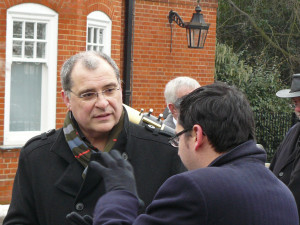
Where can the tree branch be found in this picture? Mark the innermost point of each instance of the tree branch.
(259, 30)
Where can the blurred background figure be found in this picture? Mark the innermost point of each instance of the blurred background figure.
(174, 90)
(286, 164)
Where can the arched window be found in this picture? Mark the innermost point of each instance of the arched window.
(99, 32)
(31, 72)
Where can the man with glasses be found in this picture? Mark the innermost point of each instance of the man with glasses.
(286, 164)
(54, 177)
(227, 182)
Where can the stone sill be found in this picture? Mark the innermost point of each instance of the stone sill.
(10, 147)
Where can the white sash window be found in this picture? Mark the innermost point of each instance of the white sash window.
(31, 62)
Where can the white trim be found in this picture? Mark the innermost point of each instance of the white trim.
(101, 20)
(36, 13)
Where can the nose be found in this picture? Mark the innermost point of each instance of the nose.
(101, 102)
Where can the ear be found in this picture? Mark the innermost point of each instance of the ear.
(199, 137)
(66, 99)
(172, 108)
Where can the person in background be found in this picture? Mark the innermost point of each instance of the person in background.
(174, 90)
(286, 161)
(54, 177)
(227, 182)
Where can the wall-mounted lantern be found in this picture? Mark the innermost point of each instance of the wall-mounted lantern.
(196, 29)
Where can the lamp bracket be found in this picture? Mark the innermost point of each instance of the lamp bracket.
(173, 16)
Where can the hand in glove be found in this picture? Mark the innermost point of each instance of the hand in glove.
(116, 172)
(76, 219)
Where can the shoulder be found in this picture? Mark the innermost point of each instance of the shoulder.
(182, 188)
(169, 117)
(38, 141)
(149, 132)
(203, 179)
(151, 142)
(169, 121)
(294, 128)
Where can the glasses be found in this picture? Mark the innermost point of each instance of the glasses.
(174, 141)
(93, 95)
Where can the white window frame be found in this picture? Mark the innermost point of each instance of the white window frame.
(37, 13)
(100, 20)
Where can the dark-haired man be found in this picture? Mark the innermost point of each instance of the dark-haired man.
(227, 181)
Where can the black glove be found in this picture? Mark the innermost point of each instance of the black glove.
(117, 173)
(76, 219)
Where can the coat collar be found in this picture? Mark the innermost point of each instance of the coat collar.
(247, 149)
(71, 181)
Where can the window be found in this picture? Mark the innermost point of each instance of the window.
(98, 32)
(31, 62)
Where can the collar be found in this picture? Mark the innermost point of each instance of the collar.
(246, 149)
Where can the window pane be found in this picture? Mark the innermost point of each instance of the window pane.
(90, 31)
(17, 29)
(95, 35)
(101, 49)
(89, 47)
(100, 36)
(40, 50)
(29, 30)
(28, 49)
(25, 101)
(17, 49)
(95, 48)
(41, 31)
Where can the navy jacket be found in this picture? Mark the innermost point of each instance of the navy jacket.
(235, 189)
(49, 184)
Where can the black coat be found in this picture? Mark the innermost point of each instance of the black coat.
(49, 184)
(286, 162)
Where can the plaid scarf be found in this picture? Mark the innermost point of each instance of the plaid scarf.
(83, 149)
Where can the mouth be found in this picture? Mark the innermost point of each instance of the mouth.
(103, 116)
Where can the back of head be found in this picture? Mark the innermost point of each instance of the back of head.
(90, 59)
(174, 86)
(223, 112)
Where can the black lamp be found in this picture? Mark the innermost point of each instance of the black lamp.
(196, 29)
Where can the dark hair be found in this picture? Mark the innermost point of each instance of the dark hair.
(222, 111)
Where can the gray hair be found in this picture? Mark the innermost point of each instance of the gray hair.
(90, 60)
(173, 86)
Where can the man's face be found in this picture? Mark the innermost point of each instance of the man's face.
(185, 150)
(96, 117)
(296, 102)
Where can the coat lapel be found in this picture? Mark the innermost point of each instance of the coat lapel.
(92, 179)
(288, 155)
(71, 176)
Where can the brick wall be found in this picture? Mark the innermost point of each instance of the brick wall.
(153, 64)
(8, 168)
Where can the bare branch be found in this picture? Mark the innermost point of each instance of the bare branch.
(259, 30)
